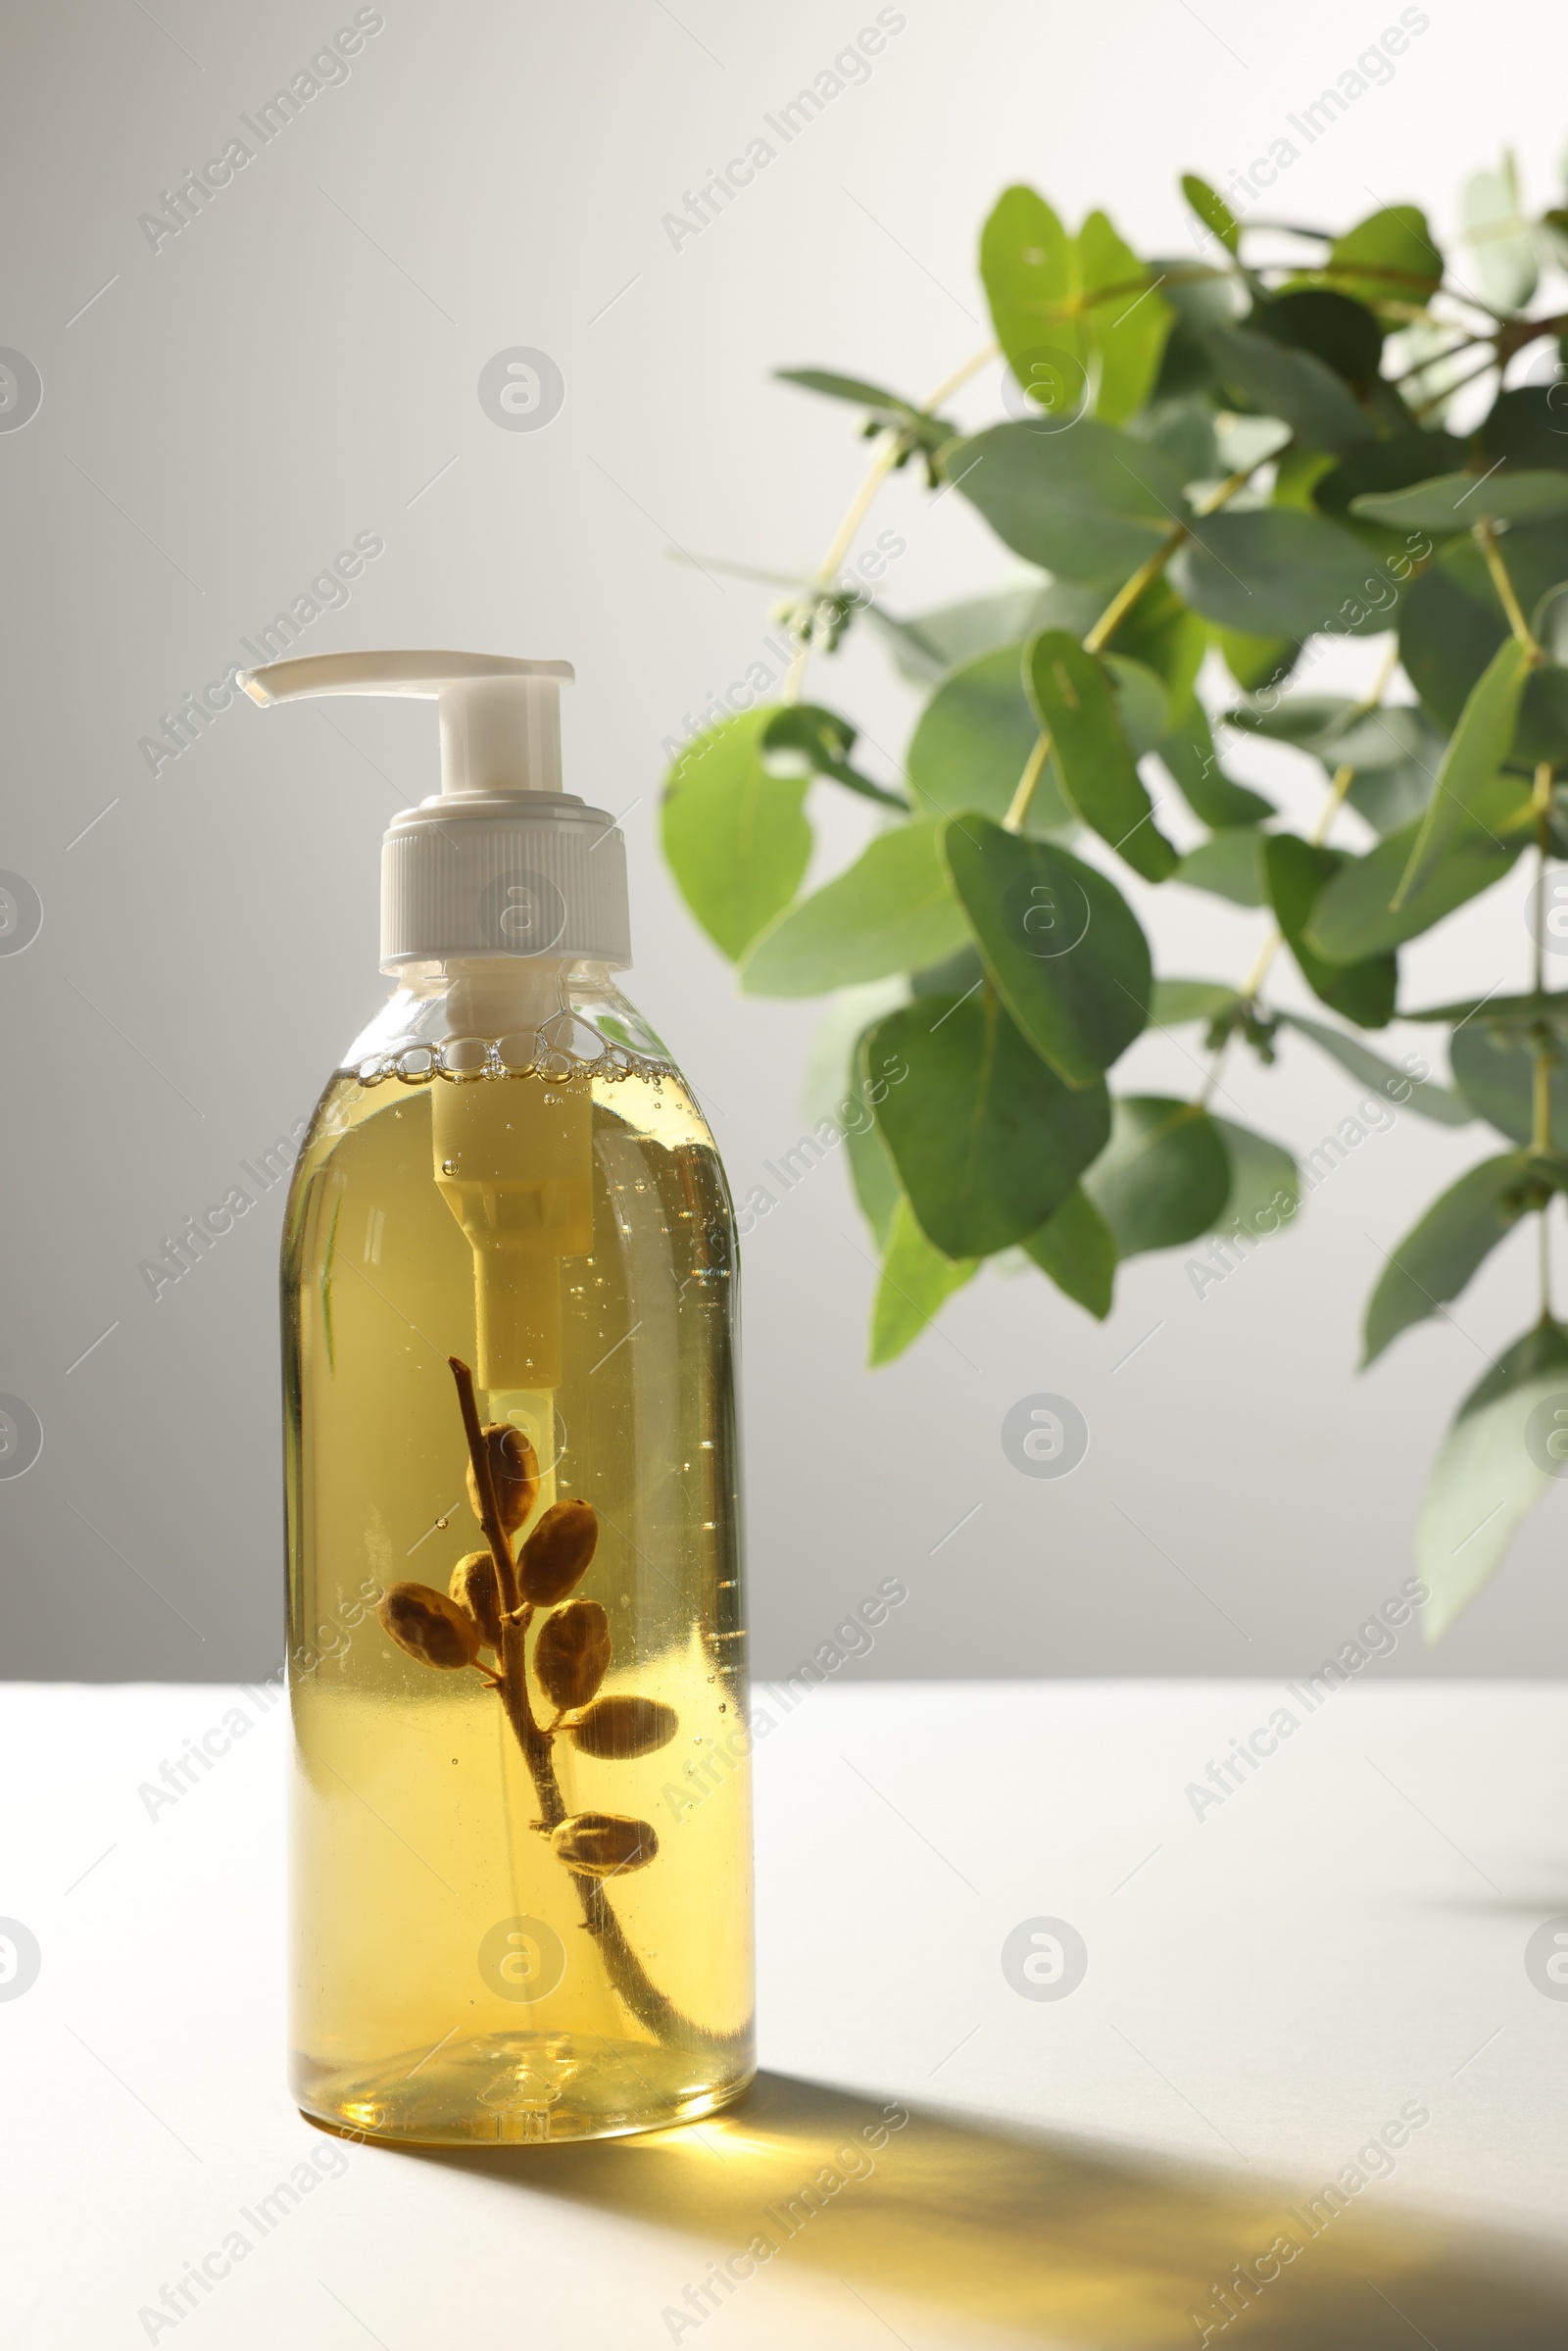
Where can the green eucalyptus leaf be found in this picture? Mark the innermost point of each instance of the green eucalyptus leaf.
(1306, 721)
(1388, 256)
(1455, 502)
(829, 1084)
(1438, 1257)
(987, 1140)
(1371, 1070)
(1315, 402)
(1298, 872)
(1213, 210)
(1296, 473)
(1477, 748)
(916, 1282)
(735, 836)
(1277, 573)
(954, 975)
(1174, 1002)
(871, 1170)
(1491, 1470)
(1266, 1183)
(1529, 426)
(1337, 731)
(973, 741)
(1142, 705)
(891, 911)
(927, 646)
(1541, 1354)
(1541, 731)
(1062, 945)
(1501, 243)
(1228, 865)
(1028, 270)
(1201, 296)
(1058, 338)
(1395, 751)
(821, 741)
(1166, 1174)
(1343, 334)
(1190, 760)
(887, 408)
(1407, 456)
(1394, 796)
(1354, 917)
(1258, 665)
(1495, 1070)
(1090, 505)
(1545, 1015)
(1126, 329)
(1077, 1248)
(853, 388)
(1077, 705)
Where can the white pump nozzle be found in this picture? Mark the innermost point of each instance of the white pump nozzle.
(500, 718)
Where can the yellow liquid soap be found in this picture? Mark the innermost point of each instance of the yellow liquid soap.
(454, 1980)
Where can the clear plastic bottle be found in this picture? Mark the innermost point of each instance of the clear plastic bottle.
(521, 1903)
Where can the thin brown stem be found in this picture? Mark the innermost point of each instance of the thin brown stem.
(631, 1980)
(484, 1485)
(892, 446)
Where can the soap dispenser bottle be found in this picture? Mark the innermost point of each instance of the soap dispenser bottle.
(521, 1833)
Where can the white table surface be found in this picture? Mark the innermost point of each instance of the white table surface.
(1267, 1987)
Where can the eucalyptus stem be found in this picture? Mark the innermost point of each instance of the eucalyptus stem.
(1018, 805)
(1486, 538)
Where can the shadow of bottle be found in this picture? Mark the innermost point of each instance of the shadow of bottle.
(1059, 2240)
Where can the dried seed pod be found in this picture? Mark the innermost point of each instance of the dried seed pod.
(616, 1729)
(557, 1554)
(572, 1655)
(474, 1587)
(605, 1844)
(513, 1473)
(428, 1625)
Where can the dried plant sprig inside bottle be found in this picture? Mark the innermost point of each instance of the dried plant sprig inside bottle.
(492, 1602)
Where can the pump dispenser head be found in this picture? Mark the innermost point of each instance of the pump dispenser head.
(503, 880)
(501, 861)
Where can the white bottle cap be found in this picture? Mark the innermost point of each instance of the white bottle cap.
(501, 861)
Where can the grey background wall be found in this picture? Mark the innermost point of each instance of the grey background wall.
(300, 364)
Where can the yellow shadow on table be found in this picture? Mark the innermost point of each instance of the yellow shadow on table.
(1056, 2240)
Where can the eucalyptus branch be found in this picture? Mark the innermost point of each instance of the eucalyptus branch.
(1110, 620)
(1424, 408)
(895, 444)
(1435, 359)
